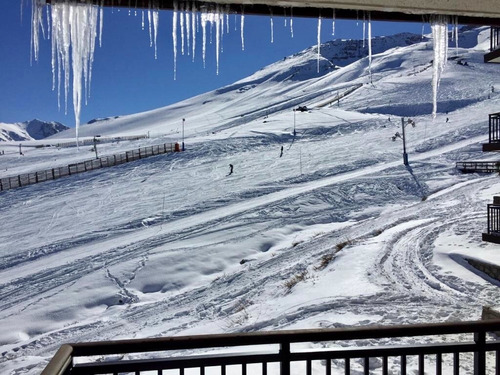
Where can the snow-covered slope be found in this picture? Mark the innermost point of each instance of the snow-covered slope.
(29, 130)
(335, 232)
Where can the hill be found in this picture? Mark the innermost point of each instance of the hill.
(335, 232)
(29, 130)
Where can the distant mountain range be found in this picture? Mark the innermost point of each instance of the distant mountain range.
(29, 130)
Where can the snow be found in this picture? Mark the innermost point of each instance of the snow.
(171, 245)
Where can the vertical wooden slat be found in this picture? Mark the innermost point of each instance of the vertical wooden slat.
(385, 366)
(439, 364)
(456, 363)
(421, 364)
(347, 366)
(480, 353)
(309, 367)
(497, 362)
(285, 358)
(366, 366)
(403, 365)
(243, 369)
(223, 370)
(328, 366)
(264, 368)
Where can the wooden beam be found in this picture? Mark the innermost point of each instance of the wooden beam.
(479, 12)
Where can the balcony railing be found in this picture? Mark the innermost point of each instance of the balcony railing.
(493, 233)
(464, 347)
(494, 54)
(494, 133)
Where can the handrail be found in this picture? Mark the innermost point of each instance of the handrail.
(61, 363)
(276, 337)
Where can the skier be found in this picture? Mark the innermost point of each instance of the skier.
(447, 119)
(281, 152)
(230, 169)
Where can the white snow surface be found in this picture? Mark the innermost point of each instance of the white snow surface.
(171, 245)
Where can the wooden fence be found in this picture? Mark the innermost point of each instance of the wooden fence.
(478, 166)
(84, 166)
(90, 141)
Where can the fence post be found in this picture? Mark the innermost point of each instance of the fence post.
(285, 358)
(480, 354)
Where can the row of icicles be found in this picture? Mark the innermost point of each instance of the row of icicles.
(74, 27)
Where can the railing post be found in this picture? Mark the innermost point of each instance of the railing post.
(285, 358)
(480, 354)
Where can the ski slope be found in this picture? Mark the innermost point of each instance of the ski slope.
(172, 245)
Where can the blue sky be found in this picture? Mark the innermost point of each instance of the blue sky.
(127, 78)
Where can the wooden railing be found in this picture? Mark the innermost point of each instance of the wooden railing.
(25, 179)
(478, 166)
(442, 346)
(493, 225)
(494, 38)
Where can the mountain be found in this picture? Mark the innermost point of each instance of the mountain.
(295, 80)
(30, 130)
(336, 232)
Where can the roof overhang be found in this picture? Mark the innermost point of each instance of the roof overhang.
(478, 12)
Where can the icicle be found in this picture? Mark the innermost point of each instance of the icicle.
(364, 30)
(333, 23)
(47, 16)
(211, 29)
(439, 26)
(319, 41)
(221, 32)
(456, 35)
(155, 30)
(181, 17)
(188, 30)
(204, 31)
(272, 27)
(36, 22)
(423, 30)
(291, 21)
(242, 30)
(143, 20)
(217, 37)
(101, 22)
(370, 46)
(193, 26)
(74, 33)
(150, 27)
(227, 21)
(174, 37)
